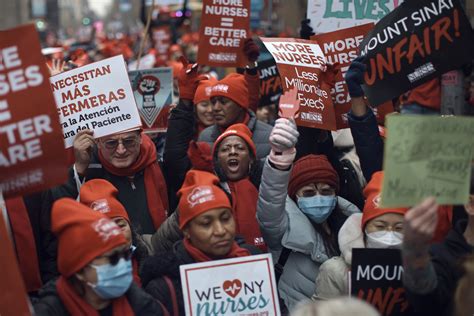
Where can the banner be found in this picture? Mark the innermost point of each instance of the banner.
(240, 286)
(224, 27)
(427, 156)
(302, 64)
(270, 82)
(153, 89)
(333, 15)
(32, 156)
(162, 39)
(418, 41)
(376, 277)
(98, 97)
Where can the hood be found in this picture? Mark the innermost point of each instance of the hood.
(351, 236)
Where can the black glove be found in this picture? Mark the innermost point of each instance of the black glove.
(355, 77)
(306, 30)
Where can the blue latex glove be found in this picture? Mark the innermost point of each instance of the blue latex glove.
(355, 77)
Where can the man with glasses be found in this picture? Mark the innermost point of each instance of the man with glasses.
(129, 161)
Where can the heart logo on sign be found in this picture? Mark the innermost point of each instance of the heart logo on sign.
(232, 288)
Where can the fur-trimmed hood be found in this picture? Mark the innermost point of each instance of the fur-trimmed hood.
(351, 236)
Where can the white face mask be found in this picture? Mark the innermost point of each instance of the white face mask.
(384, 239)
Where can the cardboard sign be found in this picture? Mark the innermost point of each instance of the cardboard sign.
(270, 82)
(376, 277)
(302, 64)
(98, 97)
(333, 15)
(427, 156)
(32, 154)
(153, 90)
(418, 41)
(240, 286)
(224, 27)
(162, 38)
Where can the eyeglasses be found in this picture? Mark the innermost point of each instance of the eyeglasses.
(128, 143)
(116, 256)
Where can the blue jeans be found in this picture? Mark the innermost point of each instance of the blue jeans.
(417, 109)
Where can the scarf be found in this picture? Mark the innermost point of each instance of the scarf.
(77, 306)
(244, 207)
(244, 121)
(200, 256)
(24, 243)
(155, 185)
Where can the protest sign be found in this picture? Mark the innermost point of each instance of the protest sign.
(98, 97)
(332, 15)
(153, 89)
(302, 64)
(289, 104)
(270, 82)
(240, 286)
(32, 154)
(418, 41)
(376, 277)
(146, 62)
(427, 156)
(162, 39)
(224, 27)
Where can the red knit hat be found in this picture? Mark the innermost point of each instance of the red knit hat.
(100, 195)
(240, 130)
(198, 195)
(372, 200)
(83, 235)
(233, 87)
(200, 155)
(203, 91)
(312, 169)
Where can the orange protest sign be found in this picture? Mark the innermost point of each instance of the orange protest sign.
(32, 153)
(302, 64)
(224, 27)
(289, 103)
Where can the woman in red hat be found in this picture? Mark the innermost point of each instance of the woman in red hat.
(299, 213)
(374, 228)
(209, 230)
(95, 267)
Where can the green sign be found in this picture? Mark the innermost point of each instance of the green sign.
(427, 156)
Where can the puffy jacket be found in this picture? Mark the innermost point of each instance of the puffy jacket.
(284, 225)
(49, 303)
(260, 135)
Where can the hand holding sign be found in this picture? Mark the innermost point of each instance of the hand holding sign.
(420, 223)
(83, 144)
(289, 103)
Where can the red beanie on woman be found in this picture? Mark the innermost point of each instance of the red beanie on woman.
(372, 200)
(101, 196)
(203, 91)
(240, 130)
(198, 195)
(312, 169)
(233, 87)
(83, 235)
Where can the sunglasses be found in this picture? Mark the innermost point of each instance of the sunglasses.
(115, 257)
(128, 143)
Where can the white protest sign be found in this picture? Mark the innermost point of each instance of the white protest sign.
(240, 286)
(98, 97)
(333, 15)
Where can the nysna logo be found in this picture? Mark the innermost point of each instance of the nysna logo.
(200, 195)
(106, 228)
(220, 88)
(232, 288)
(101, 206)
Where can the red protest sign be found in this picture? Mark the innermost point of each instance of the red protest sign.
(32, 154)
(289, 103)
(224, 27)
(302, 64)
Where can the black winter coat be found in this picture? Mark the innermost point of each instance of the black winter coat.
(49, 303)
(447, 259)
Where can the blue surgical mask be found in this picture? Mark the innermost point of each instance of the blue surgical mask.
(318, 207)
(113, 280)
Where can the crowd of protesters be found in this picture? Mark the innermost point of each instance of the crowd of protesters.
(224, 183)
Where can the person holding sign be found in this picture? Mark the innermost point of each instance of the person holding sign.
(129, 161)
(209, 229)
(101, 196)
(299, 213)
(375, 228)
(95, 266)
